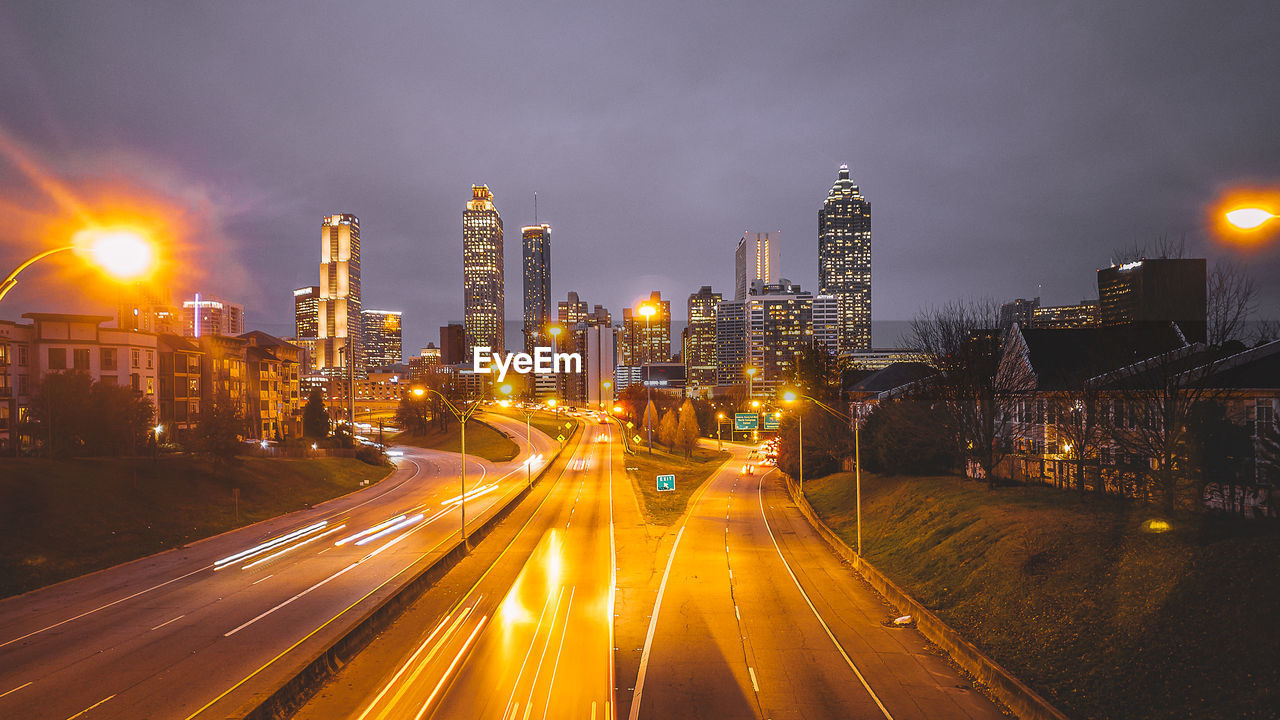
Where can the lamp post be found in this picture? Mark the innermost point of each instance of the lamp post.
(119, 252)
(528, 434)
(647, 311)
(719, 425)
(463, 416)
(751, 376)
(791, 396)
(554, 331)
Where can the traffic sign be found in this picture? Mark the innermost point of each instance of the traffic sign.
(746, 421)
(770, 422)
(666, 482)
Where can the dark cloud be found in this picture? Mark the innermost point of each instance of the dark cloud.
(1005, 146)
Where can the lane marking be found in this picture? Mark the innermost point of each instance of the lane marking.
(555, 668)
(754, 685)
(16, 689)
(457, 658)
(255, 582)
(404, 688)
(653, 626)
(814, 610)
(169, 621)
(82, 712)
(536, 631)
(528, 703)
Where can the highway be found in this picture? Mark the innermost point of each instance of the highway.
(529, 637)
(756, 618)
(201, 630)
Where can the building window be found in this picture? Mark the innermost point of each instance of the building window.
(151, 386)
(4, 354)
(57, 358)
(135, 380)
(1264, 412)
(135, 356)
(107, 357)
(22, 355)
(80, 358)
(151, 359)
(22, 385)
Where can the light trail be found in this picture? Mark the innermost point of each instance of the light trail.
(458, 658)
(269, 544)
(373, 529)
(291, 548)
(407, 522)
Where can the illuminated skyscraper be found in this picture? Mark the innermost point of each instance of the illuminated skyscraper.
(844, 260)
(699, 353)
(382, 339)
(306, 311)
(536, 243)
(755, 259)
(647, 341)
(338, 324)
(482, 279)
(210, 315)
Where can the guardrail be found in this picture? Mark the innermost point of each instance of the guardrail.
(1017, 696)
(310, 675)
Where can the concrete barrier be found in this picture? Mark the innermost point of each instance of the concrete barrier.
(1022, 700)
(322, 664)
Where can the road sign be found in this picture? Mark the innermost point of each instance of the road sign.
(666, 482)
(560, 438)
(770, 422)
(746, 421)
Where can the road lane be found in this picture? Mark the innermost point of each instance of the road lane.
(737, 636)
(166, 635)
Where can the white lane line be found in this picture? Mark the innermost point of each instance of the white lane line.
(754, 685)
(536, 630)
(104, 607)
(409, 663)
(653, 626)
(255, 582)
(323, 582)
(6, 692)
(166, 622)
(555, 668)
(613, 581)
(528, 702)
(814, 610)
(457, 659)
(82, 712)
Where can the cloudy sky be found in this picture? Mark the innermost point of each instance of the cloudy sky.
(1007, 147)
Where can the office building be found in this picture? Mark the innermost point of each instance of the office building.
(572, 310)
(731, 342)
(482, 278)
(382, 338)
(210, 315)
(844, 260)
(755, 259)
(699, 346)
(1161, 290)
(1063, 317)
(148, 308)
(646, 340)
(600, 364)
(1017, 311)
(768, 330)
(535, 242)
(452, 342)
(306, 311)
(339, 328)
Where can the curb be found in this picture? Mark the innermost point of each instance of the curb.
(282, 702)
(1017, 696)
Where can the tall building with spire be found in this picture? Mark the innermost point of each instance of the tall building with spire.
(755, 259)
(536, 244)
(482, 278)
(844, 261)
(339, 346)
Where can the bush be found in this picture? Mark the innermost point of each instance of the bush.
(371, 455)
(908, 437)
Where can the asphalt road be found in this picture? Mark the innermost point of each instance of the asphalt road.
(199, 631)
(531, 638)
(757, 618)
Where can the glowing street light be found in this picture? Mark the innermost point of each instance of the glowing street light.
(1249, 218)
(119, 252)
(419, 392)
(791, 396)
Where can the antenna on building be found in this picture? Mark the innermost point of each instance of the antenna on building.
(535, 207)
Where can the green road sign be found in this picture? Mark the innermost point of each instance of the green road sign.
(770, 422)
(746, 421)
(666, 482)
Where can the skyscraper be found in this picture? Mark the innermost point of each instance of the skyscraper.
(755, 259)
(844, 260)
(452, 339)
(1157, 290)
(536, 244)
(210, 315)
(382, 338)
(700, 338)
(338, 323)
(306, 311)
(768, 330)
(647, 341)
(482, 279)
(572, 310)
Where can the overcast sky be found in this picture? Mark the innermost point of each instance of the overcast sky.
(1007, 148)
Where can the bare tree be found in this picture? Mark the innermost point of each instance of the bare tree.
(961, 340)
(1230, 295)
(1162, 247)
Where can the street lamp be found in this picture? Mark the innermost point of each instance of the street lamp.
(463, 416)
(554, 331)
(791, 396)
(506, 389)
(751, 376)
(719, 425)
(1249, 218)
(120, 252)
(647, 311)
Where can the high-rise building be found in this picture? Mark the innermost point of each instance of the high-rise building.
(1160, 290)
(768, 330)
(148, 308)
(755, 259)
(211, 316)
(572, 310)
(731, 342)
(1017, 311)
(1060, 317)
(536, 246)
(482, 279)
(382, 338)
(699, 348)
(647, 340)
(844, 260)
(306, 311)
(339, 324)
(452, 342)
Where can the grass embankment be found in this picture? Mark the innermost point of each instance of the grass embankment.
(664, 508)
(1073, 596)
(63, 518)
(482, 440)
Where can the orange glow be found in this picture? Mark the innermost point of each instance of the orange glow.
(1246, 216)
(122, 252)
(646, 309)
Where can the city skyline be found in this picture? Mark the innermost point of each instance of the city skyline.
(956, 148)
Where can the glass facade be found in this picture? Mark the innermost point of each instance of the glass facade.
(844, 260)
